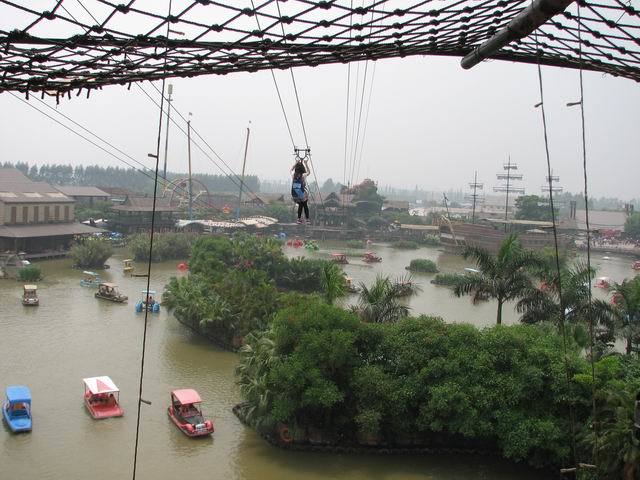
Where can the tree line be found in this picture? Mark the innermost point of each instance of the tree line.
(127, 178)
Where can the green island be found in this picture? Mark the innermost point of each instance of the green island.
(315, 375)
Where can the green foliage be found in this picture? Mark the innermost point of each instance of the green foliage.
(430, 240)
(502, 277)
(30, 273)
(99, 209)
(91, 252)
(448, 279)
(533, 207)
(627, 311)
(417, 381)
(278, 210)
(406, 244)
(632, 225)
(166, 246)
(334, 284)
(379, 303)
(355, 244)
(423, 265)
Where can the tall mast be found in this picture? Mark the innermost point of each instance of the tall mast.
(166, 139)
(190, 183)
(475, 195)
(508, 176)
(244, 163)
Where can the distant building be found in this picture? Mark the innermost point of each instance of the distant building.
(395, 206)
(135, 213)
(264, 199)
(35, 217)
(84, 195)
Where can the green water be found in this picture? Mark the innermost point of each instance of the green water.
(73, 335)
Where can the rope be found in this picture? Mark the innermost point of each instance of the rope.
(153, 220)
(586, 211)
(557, 261)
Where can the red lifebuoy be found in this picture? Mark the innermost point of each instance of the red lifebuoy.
(285, 434)
(182, 266)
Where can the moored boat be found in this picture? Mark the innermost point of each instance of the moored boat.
(127, 265)
(603, 282)
(340, 258)
(109, 291)
(101, 397)
(30, 296)
(16, 409)
(187, 415)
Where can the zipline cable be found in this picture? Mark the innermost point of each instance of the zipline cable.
(586, 211)
(557, 261)
(366, 123)
(153, 220)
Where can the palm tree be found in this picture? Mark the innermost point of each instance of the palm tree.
(333, 282)
(379, 303)
(614, 446)
(626, 296)
(504, 277)
(542, 305)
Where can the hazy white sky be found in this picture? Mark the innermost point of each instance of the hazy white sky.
(430, 124)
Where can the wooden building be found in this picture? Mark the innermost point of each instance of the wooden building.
(35, 217)
(134, 215)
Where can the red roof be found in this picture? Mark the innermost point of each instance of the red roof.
(186, 396)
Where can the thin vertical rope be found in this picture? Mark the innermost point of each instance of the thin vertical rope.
(586, 212)
(153, 221)
(557, 258)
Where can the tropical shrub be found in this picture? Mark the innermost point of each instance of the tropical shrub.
(30, 273)
(406, 244)
(448, 279)
(166, 246)
(91, 253)
(430, 240)
(423, 265)
(415, 382)
(379, 302)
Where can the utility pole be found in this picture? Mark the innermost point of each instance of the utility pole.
(190, 183)
(244, 163)
(446, 205)
(508, 176)
(166, 139)
(475, 195)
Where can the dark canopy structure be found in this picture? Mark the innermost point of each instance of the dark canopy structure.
(87, 44)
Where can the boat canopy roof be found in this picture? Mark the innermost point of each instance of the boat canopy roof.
(339, 254)
(30, 287)
(127, 260)
(110, 285)
(18, 393)
(186, 396)
(93, 274)
(100, 385)
(150, 292)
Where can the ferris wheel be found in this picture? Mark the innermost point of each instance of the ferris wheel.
(178, 193)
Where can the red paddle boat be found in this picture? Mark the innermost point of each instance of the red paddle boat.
(101, 397)
(186, 413)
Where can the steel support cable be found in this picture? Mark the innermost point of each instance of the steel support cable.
(366, 122)
(142, 170)
(562, 317)
(353, 124)
(198, 145)
(153, 221)
(586, 211)
(230, 175)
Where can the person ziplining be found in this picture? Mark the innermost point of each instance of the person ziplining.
(299, 191)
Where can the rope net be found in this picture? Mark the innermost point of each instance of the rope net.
(87, 44)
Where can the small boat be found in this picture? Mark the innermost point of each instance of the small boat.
(185, 412)
(147, 302)
(101, 397)
(339, 257)
(30, 296)
(349, 285)
(311, 245)
(16, 409)
(636, 265)
(127, 265)
(603, 282)
(371, 257)
(109, 291)
(90, 279)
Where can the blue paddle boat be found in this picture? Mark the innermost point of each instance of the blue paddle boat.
(90, 279)
(148, 302)
(16, 410)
